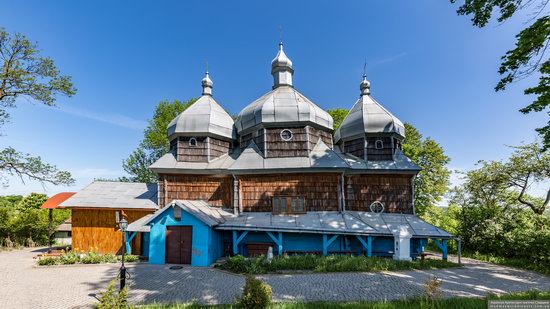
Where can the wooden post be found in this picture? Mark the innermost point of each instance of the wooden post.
(50, 228)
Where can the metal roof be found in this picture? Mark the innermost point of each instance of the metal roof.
(118, 195)
(400, 163)
(321, 157)
(348, 222)
(169, 164)
(368, 116)
(204, 117)
(54, 201)
(211, 216)
(139, 225)
(282, 105)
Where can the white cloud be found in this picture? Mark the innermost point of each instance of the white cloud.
(388, 59)
(113, 119)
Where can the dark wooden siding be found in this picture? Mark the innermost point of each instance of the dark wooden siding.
(276, 147)
(315, 134)
(384, 154)
(217, 191)
(320, 190)
(355, 147)
(189, 153)
(218, 147)
(394, 191)
(97, 230)
(257, 137)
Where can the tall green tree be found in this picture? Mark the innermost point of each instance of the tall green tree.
(25, 73)
(529, 54)
(432, 182)
(338, 116)
(155, 141)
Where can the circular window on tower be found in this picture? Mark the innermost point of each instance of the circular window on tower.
(377, 207)
(286, 134)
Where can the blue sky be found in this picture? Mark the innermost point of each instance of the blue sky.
(426, 65)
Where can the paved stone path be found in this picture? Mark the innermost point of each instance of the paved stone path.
(23, 285)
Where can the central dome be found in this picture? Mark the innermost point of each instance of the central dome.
(283, 105)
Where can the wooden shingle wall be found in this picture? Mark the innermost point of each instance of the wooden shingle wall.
(96, 230)
(315, 134)
(218, 147)
(355, 147)
(394, 191)
(217, 191)
(384, 154)
(276, 147)
(188, 153)
(320, 190)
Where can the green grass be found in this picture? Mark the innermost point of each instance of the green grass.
(541, 266)
(451, 303)
(326, 264)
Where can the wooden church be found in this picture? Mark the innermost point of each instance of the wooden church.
(277, 176)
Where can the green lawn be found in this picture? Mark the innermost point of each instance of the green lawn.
(451, 303)
(332, 263)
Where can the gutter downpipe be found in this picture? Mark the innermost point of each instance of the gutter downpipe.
(459, 245)
(236, 197)
(343, 193)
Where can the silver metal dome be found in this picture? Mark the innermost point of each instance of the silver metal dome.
(204, 118)
(368, 116)
(282, 105)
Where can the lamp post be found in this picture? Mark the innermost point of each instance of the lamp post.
(123, 226)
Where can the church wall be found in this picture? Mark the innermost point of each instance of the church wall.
(384, 154)
(355, 147)
(320, 190)
(277, 147)
(218, 147)
(217, 191)
(394, 191)
(188, 153)
(315, 134)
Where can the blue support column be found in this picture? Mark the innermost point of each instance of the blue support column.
(129, 238)
(442, 245)
(326, 242)
(278, 241)
(236, 240)
(369, 245)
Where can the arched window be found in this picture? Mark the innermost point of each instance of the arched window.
(379, 144)
(377, 207)
(286, 134)
(192, 142)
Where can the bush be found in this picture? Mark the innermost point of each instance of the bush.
(256, 294)
(331, 263)
(92, 258)
(47, 261)
(130, 258)
(113, 299)
(69, 258)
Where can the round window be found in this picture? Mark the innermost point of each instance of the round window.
(377, 207)
(286, 134)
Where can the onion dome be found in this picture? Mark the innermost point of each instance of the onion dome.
(205, 117)
(281, 69)
(368, 116)
(283, 105)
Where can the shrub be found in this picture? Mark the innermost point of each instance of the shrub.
(256, 294)
(237, 263)
(47, 261)
(92, 258)
(432, 289)
(69, 258)
(113, 299)
(110, 258)
(130, 258)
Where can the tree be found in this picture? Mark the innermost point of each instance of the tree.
(528, 166)
(338, 115)
(155, 141)
(529, 54)
(432, 182)
(27, 74)
(32, 201)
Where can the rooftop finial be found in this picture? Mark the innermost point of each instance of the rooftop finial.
(207, 82)
(365, 84)
(280, 36)
(281, 68)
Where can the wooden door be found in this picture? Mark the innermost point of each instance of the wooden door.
(178, 244)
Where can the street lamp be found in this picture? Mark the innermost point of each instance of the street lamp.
(123, 226)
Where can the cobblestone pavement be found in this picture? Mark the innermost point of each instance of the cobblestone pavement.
(24, 285)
